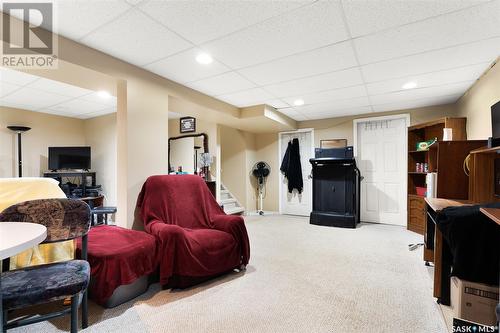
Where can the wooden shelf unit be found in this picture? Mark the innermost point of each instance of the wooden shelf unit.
(445, 158)
(482, 174)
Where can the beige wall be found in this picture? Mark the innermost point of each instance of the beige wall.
(476, 104)
(342, 128)
(202, 126)
(334, 128)
(46, 130)
(267, 151)
(50, 130)
(100, 135)
(237, 158)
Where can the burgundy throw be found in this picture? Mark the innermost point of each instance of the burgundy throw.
(117, 256)
(195, 237)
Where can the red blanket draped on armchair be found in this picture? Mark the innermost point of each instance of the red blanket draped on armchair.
(196, 239)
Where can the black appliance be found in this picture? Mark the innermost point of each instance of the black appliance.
(345, 152)
(336, 187)
(69, 158)
(494, 141)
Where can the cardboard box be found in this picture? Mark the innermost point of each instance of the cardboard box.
(474, 301)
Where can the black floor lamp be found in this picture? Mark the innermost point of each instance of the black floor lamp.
(19, 130)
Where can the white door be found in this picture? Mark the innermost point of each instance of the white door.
(381, 158)
(295, 203)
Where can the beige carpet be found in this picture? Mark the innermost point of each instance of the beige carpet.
(301, 278)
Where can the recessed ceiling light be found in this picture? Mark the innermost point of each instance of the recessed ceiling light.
(204, 58)
(409, 85)
(298, 102)
(103, 94)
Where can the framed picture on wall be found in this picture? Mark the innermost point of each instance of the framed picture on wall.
(187, 125)
(333, 143)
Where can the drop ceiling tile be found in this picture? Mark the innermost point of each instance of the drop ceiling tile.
(421, 93)
(338, 113)
(7, 88)
(323, 60)
(135, 2)
(247, 97)
(364, 17)
(461, 27)
(34, 99)
(78, 106)
(218, 18)
(222, 84)
(76, 18)
(332, 107)
(330, 81)
(292, 113)
(312, 26)
(16, 77)
(56, 113)
(135, 38)
(463, 55)
(15, 105)
(277, 103)
(461, 74)
(182, 67)
(330, 95)
(59, 88)
(96, 114)
(419, 103)
(95, 98)
(299, 117)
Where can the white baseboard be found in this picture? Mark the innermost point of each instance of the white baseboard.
(256, 213)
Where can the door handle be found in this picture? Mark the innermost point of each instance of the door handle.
(310, 176)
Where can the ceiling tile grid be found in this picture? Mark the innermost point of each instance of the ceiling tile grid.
(218, 19)
(339, 56)
(313, 26)
(135, 38)
(25, 91)
(222, 84)
(461, 27)
(367, 17)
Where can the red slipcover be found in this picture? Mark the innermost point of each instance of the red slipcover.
(118, 256)
(195, 237)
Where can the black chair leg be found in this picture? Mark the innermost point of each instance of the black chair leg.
(85, 310)
(5, 319)
(74, 313)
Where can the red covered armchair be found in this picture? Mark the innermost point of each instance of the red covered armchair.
(196, 239)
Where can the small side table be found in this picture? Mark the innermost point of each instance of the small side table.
(16, 237)
(102, 214)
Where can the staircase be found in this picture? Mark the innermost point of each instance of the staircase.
(229, 202)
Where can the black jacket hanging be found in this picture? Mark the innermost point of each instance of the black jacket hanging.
(286, 160)
(291, 166)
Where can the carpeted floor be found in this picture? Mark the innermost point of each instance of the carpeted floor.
(301, 278)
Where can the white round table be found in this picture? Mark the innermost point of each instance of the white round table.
(16, 237)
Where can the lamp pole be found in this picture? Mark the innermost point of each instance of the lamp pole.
(19, 130)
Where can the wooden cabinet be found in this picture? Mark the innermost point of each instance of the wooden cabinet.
(416, 213)
(446, 158)
(482, 175)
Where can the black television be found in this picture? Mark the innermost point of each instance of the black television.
(495, 121)
(69, 158)
(495, 141)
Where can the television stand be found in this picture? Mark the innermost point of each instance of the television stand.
(58, 175)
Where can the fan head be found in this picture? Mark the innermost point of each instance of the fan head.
(261, 170)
